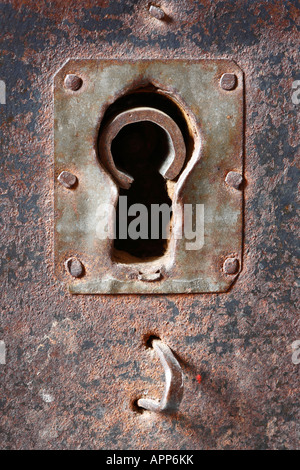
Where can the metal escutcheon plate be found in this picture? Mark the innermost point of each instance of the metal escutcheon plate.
(215, 116)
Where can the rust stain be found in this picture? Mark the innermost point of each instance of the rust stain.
(83, 350)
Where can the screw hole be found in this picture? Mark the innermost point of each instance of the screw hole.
(148, 340)
(135, 407)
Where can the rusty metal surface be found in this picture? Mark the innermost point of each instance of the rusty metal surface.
(217, 119)
(67, 356)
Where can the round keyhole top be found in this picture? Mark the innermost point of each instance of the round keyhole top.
(174, 157)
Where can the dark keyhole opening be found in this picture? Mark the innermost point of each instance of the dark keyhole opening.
(139, 149)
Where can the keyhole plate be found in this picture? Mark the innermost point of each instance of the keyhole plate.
(210, 95)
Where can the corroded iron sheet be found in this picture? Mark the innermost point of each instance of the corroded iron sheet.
(75, 363)
(218, 116)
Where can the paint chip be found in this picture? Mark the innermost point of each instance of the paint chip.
(46, 397)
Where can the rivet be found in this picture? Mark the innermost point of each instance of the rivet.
(231, 265)
(234, 179)
(72, 82)
(228, 81)
(67, 179)
(74, 267)
(157, 12)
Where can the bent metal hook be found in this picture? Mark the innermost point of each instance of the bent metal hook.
(173, 391)
(177, 152)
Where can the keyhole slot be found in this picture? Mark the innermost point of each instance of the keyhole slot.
(145, 140)
(140, 150)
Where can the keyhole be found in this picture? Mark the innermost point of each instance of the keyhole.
(139, 149)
